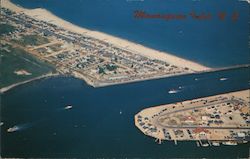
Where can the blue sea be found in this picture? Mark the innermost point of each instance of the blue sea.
(101, 121)
(95, 128)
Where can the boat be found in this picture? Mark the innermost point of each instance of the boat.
(197, 143)
(1, 123)
(204, 143)
(120, 112)
(223, 79)
(13, 129)
(172, 91)
(231, 143)
(215, 143)
(68, 107)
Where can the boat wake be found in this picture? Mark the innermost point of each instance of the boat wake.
(67, 107)
(223, 79)
(196, 79)
(173, 91)
(21, 127)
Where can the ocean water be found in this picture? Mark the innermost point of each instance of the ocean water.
(94, 127)
(101, 122)
(213, 42)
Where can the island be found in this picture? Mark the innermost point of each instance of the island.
(95, 57)
(212, 120)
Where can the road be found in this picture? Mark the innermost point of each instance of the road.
(197, 126)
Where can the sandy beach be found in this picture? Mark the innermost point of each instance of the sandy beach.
(152, 110)
(42, 14)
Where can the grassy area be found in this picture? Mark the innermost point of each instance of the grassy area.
(14, 59)
(33, 40)
(6, 28)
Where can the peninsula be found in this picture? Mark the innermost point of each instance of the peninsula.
(95, 57)
(211, 120)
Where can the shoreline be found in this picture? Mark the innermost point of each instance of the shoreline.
(169, 76)
(7, 88)
(155, 116)
(45, 15)
(237, 92)
(90, 83)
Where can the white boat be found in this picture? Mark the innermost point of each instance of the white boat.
(1, 123)
(223, 79)
(215, 143)
(13, 129)
(68, 107)
(172, 91)
(205, 145)
(231, 143)
(120, 112)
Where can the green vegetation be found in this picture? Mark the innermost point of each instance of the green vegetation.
(107, 67)
(101, 70)
(33, 40)
(6, 28)
(111, 67)
(14, 59)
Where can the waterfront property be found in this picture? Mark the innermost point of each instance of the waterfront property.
(98, 62)
(222, 118)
